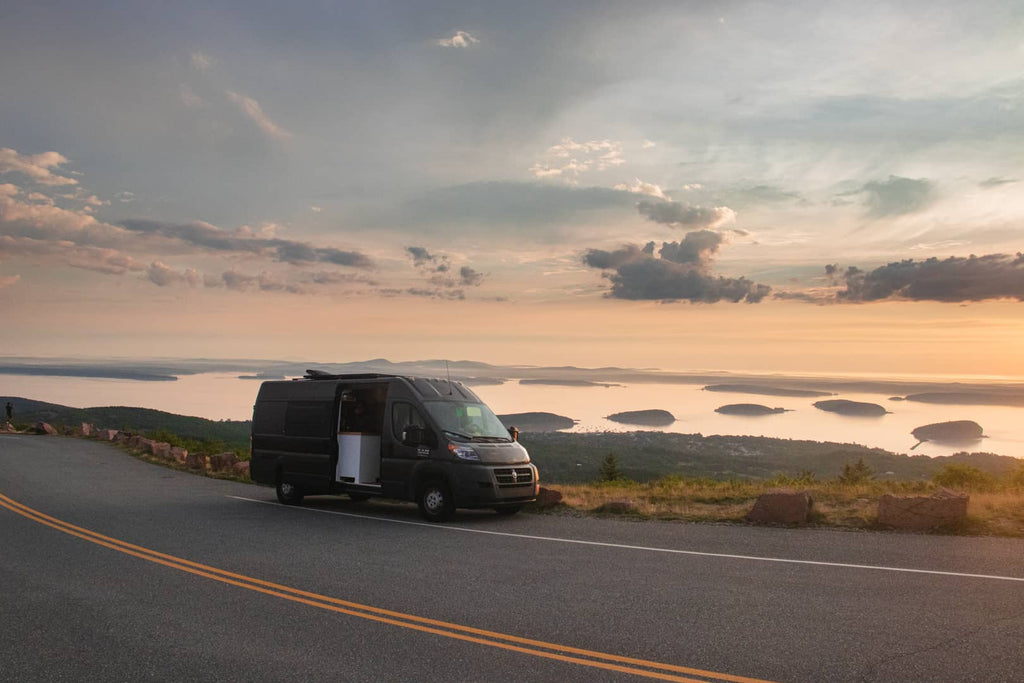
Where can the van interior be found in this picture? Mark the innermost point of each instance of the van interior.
(360, 424)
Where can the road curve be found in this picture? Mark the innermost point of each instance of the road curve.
(115, 569)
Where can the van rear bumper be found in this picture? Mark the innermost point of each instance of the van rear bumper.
(495, 485)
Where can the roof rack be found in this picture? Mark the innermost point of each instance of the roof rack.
(320, 374)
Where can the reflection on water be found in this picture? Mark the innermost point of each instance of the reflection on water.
(224, 396)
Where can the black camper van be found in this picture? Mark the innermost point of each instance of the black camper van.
(432, 441)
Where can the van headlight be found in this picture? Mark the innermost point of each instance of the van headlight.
(463, 452)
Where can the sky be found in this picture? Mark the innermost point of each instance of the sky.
(817, 187)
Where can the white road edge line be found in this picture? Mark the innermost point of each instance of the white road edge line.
(672, 551)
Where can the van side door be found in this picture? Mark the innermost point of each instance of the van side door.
(399, 457)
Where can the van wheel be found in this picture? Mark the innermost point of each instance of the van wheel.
(435, 501)
(508, 510)
(288, 494)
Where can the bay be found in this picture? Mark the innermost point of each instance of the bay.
(224, 396)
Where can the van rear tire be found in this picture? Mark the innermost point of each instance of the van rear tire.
(288, 494)
(435, 501)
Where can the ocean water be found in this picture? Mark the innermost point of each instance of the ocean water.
(221, 396)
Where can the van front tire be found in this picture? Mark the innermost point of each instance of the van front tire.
(288, 494)
(435, 501)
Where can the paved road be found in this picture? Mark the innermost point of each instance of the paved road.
(114, 569)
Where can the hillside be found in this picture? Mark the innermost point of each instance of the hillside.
(27, 411)
(643, 456)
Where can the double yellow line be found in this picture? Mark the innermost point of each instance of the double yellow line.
(536, 648)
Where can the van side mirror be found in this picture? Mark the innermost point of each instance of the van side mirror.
(412, 435)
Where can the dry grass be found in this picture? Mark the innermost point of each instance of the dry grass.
(835, 504)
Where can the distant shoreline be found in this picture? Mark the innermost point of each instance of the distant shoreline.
(940, 391)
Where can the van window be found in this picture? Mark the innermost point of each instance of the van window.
(309, 418)
(403, 415)
(466, 420)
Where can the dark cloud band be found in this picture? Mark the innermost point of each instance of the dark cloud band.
(956, 279)
(210, 237)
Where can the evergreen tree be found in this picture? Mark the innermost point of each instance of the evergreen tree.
(610, 469)
(858, 473)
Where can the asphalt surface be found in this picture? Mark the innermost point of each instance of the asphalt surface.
(549, 597)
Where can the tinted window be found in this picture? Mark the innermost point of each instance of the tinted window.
(403, 415)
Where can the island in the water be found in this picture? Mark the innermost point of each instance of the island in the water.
(953, 432)
(646, 418)
(762, 390)
(852, 408)
(748, 409)
(569, 382)
(537, 422)
(969, 398)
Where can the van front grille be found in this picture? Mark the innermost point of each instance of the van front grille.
(513, 477)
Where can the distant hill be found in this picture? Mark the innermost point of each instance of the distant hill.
(129, 419)
(762, 390)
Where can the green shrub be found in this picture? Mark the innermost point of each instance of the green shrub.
(960, 476)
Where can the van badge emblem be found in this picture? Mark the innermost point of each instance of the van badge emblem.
(515, 476)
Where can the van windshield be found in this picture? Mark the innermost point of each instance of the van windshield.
(471, 421)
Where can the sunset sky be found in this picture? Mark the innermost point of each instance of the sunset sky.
(770, 187)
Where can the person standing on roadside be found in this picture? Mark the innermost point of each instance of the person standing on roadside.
(10, 411)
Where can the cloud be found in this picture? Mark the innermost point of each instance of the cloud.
(40, 219)
(447, 294)
(897, 196)
(681, 272)
(955, 279)
(264, 282)
(611, 260)
(35, 166)
(254, 111)
(761, 195)
(98, 259)
(696, 248)
(423, 259)
(436, 268)
(460, 39)
(996, 182)
(327, 277)
(640, 187)
(687, 215)
(210, 237)
(200, 61)
(470, 277)
(163, 275)
(569, 158)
